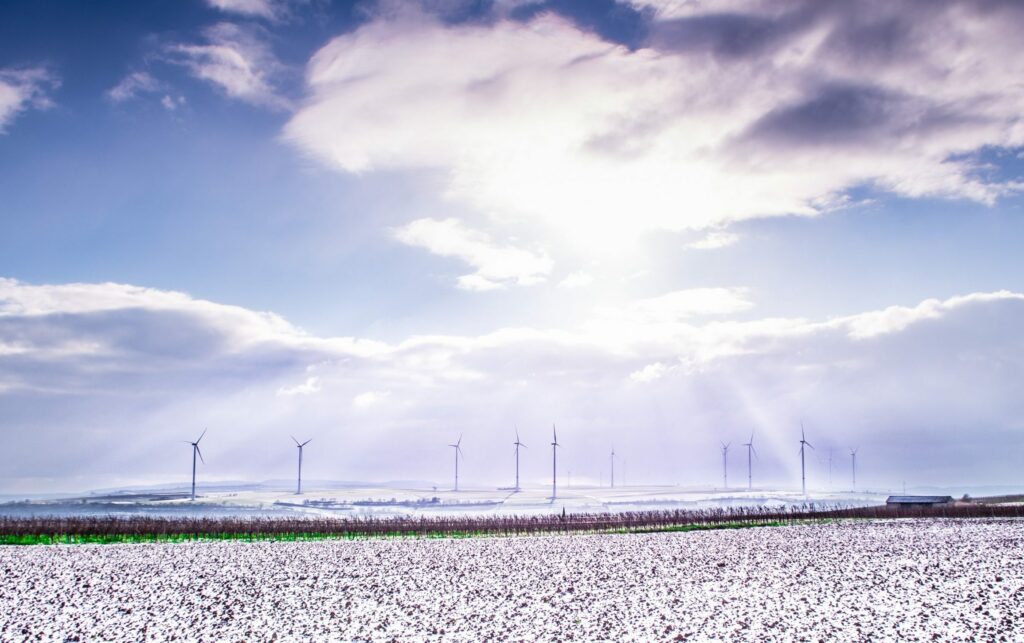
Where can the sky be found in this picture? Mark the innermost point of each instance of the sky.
(660, 225)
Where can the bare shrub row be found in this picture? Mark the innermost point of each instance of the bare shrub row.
(242, 527)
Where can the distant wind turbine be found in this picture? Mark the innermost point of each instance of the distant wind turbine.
(751, 451)
(458, 452)
(725, 465)
(298, 489)
(803, 470)
(613, 467)
(195, 452)
(853, 466)
(518, 444)
(554, 463)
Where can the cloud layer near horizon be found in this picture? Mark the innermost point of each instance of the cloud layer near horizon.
(728, 112)
(129, 371)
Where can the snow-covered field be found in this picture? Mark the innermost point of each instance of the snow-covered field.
(909, 580)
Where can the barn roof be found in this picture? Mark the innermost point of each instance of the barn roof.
(917, 500)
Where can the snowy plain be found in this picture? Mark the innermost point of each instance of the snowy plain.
(850, 581)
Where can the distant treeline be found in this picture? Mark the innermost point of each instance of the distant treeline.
(141, 528)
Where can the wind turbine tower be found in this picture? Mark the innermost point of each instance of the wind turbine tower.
(554, 463)
(751, 451)
(613, 467)
(298, 489)
(195, 452)
(725, 467)
(518, 444)
(853, 466)
(458, 452)
(803, 469)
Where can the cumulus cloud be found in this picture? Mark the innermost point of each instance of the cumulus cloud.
(649, 373)
(132, 85)
(269, 9)
(369, 399)
(310, 386)
(236, 60)
(714, 239)
(121, 364)
(730, 111)
(497, 265)
(578, 279)
(24, 88)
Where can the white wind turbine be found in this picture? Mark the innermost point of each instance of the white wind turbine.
(518, 444)
(803, 470)
(196, 452)
(751, 451)
(554, 463)
(613, 467)
(853, 466)
(725, 465)
(298, 489)
(458, 452)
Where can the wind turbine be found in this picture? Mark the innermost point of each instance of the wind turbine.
(298, 490)
(803, 470)
(725, 468)
(554, 463)
(195, 452)
(853, 466)
(750, 463)
(518, 444)
(458, 452)
(613, 467)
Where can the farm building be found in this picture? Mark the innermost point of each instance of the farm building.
(918, 501)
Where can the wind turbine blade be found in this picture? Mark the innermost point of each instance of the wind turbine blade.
(460, 440)
(201, 436)
(294, 440)
(809, 444)
(306, 442)
(200, 453)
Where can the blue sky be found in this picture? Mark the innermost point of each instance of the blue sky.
(389, 222)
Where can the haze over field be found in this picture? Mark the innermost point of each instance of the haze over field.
(379, 225)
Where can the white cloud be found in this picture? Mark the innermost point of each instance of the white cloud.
(24, 88)
(310, 386)
(649, 373)
(143, 363)
(236, 60)
(714, 239)
(542, 121)
(369, 399)
(578, 279)
(497, 265)
(269, 9)
(132, 85)
(682, 304)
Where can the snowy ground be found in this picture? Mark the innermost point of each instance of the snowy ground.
(908, 580)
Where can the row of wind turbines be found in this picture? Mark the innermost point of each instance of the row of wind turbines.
(752, 453)
(457, 450)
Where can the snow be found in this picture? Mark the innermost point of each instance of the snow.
(908, 580)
